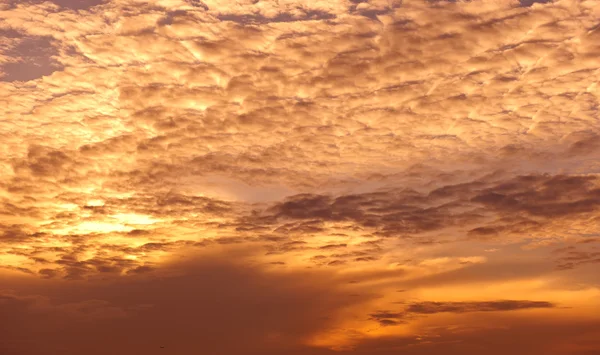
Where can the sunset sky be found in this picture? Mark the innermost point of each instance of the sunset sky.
(323, 177)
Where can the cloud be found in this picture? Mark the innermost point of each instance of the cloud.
(546, 196)
(462, 307)
(531, 2)
(64, 4)
(199, 303)
(571, 256)
(13, 234)
(392, 211)
(389, 143)
(518, 205)
(303, 15)
(27, 57)
(89, 310)
(524, 338)
(585, 146)
(387, 318)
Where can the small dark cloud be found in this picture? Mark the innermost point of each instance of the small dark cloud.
(571, 257)
(528, 3)
(464, 307)
(17, 268)
(308, 15)
(333, 246)
(64, 4)
(585, 146)
(139, 232)
(48, 273)
(43, 161)
(388, 322)
(389, 318)
(336, 262)
(78, 4)
(305, 206)
(485, 231)
(386, 314)
(588, 241)
(198, 3)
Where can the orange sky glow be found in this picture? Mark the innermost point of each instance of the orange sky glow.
(325, 177)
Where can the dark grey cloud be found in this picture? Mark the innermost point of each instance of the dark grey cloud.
(463, 307)
(543, 195)
(307, 15)
(528, 3)
(394, 212)
(388, 318)
(63, 4)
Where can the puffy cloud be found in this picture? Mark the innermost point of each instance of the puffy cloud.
(381, 145)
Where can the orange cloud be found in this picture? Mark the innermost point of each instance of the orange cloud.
(361, 176)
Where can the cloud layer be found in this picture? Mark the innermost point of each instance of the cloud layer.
(351, 175)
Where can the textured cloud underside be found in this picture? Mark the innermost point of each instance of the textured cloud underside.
(422, 146)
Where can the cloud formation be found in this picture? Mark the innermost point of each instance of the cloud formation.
(351, 148)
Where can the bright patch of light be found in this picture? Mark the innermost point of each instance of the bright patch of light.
(132, 218)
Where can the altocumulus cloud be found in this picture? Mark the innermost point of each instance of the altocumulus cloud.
(351, 148)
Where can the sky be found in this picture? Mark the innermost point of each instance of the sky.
(324, 177)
